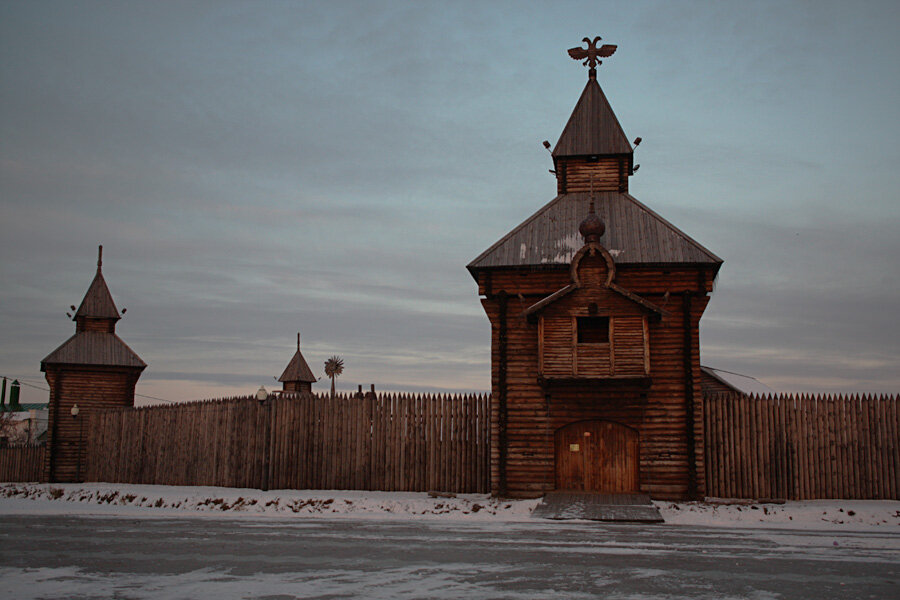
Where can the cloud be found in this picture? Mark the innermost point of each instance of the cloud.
(333, 168)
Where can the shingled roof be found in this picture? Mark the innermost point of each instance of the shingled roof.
(94, 348)
(593, 128)
(634, 234)
(98, 302)
(297, 369)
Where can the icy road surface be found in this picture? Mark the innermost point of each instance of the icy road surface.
(123, 557)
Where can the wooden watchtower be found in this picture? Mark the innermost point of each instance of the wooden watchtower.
(595, 303)
(297, 376)
(93, 369)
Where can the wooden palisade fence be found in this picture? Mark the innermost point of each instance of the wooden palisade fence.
(364, 442)
(22, 463)
(802, 447)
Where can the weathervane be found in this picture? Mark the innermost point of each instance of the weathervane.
(591, 53)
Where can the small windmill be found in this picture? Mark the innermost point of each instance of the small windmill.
(334, 366)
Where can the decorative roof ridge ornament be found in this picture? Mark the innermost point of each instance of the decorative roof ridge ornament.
(593, 227)
(590, 54)
(99, 257)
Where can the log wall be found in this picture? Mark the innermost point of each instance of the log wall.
(606, 174)
(92, 389)
(22, 463)
(383, 442)
(802, 447)
(666, 407)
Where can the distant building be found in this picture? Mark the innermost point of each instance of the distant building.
(718, 381)
(28, 425)
(297, 376)
(93, 369)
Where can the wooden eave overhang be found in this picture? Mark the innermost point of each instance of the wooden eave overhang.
(94, 348)
(614, 382)
(565, 291)
(635, 235)
(545, 302)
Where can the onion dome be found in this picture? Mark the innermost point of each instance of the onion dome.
(592, 228)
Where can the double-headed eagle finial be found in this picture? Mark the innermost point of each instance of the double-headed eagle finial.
(591, 53)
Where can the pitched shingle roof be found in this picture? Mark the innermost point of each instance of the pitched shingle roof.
(592, 128)
(94, 348)
(634, 234)
(98, 302)
(298, 370)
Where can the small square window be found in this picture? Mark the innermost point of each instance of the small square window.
(593, 330)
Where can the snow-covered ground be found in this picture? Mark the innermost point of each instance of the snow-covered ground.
(168, 501)
(818, 515)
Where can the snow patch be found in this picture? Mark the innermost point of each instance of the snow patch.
(161, 500)
(845, 515)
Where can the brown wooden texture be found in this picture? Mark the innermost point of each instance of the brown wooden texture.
(802, 447)
(22, 463)
(625, 351)
(549, 236)
(92, 389)
(386, 442)
(606, 174)
(592, 128)
(598, 456)
(656, 407)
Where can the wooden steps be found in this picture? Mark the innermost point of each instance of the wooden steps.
(593, 506)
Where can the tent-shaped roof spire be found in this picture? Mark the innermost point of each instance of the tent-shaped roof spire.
(297, 369)
(98, 302)
(95, 342)
(593, 128)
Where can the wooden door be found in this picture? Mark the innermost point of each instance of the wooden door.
(597, 456)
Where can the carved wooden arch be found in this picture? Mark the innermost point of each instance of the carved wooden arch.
(592, 248)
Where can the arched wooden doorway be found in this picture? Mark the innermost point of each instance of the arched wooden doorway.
(597, 456)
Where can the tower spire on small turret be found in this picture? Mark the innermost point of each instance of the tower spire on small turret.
(99, 257)
(297, 376)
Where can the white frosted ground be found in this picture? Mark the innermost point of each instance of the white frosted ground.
(165, 501)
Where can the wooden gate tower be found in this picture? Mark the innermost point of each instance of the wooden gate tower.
(595, 304)
(93, 369)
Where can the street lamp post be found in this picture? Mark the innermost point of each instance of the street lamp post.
(74, 412)
(263, 396)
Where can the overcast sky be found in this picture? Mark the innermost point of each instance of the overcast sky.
(258, 169)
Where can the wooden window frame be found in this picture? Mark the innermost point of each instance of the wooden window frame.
(609, 330)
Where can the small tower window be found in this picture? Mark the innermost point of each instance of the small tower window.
(593, 330)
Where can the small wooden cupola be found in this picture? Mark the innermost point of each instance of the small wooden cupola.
(297, 376)
(97, 311)
(95, 341)
(593, 144)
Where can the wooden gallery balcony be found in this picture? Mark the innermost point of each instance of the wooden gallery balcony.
(610, 350)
